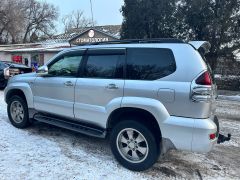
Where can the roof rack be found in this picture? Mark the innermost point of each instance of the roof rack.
(137, 41)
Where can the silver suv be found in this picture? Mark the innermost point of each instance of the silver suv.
(149, 96)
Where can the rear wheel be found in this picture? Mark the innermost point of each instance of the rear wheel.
(134, 145)
(18, 112)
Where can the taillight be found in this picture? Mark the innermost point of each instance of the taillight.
(202, 89)
(212, 136)
(204, 79)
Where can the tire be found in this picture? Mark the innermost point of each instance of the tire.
(18, 112)
(139, 154)
(3, 85)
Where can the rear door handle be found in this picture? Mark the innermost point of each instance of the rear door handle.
(112, 86)
(68, 83)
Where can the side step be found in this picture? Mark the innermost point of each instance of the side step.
(70, 125)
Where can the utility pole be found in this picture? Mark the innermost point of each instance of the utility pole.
(92, 12)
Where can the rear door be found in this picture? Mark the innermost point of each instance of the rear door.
(100, 87)
(146, 69)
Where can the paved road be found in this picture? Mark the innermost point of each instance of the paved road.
(47, 152)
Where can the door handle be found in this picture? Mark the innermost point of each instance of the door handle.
(112, 86)
(68, 83)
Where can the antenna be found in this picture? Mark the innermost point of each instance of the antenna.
(92, 12)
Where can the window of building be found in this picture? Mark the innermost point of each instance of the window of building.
(149, 63)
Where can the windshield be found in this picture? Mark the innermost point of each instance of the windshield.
(11, 64)
(3, 65)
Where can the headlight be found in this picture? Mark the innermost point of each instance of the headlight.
(6, 72)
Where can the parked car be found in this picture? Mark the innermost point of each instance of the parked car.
(148, 96)
(9, 69)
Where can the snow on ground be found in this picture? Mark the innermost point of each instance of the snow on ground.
(230, 98)
(46, 152)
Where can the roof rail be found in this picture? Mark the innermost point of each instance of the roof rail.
(137, 41)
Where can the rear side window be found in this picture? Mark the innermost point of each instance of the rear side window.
(149, 63)
(105, 66)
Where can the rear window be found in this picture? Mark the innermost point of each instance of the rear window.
(149, 63)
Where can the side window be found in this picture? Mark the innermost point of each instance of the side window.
(66, 66)
(149, 63)
(105, 66)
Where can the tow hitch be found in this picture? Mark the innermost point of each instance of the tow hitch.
(222, 138)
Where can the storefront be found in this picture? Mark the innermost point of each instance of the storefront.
(91, 36)
(31, 57)
(36, 54)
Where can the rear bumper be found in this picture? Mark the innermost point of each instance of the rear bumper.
(190, 134)
(201, 141)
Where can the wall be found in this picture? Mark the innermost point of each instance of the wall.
(5, 56)
(48, 56)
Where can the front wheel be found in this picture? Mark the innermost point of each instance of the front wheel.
(18, 112)
(134, 145)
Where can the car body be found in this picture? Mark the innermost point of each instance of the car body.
(9, 69)
(148, 96)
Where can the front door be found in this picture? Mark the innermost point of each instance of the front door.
(100, 88)
(54, 93)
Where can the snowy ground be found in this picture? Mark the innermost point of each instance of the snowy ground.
(47, 152)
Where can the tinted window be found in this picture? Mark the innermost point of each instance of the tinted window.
(105, 66)
(66, 66)
(149, 63)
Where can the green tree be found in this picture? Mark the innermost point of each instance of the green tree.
(216, 21)
(148, 19)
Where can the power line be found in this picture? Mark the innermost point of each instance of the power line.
(92, 12)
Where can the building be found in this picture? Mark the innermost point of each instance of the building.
(37, 54)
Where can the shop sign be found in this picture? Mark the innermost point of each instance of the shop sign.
(91, 36)
(90, 40)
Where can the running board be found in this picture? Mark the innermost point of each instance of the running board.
(70, 125)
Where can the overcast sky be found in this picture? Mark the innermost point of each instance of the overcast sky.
(105, 12)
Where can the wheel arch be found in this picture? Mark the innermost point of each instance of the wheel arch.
(136, 113)
(24, 92)
(15, 92)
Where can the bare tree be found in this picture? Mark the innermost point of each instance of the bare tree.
(39, 18)
(11, 20)
(25, 20)
(75, 19)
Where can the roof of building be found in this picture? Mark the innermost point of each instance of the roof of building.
(61, 41)
(44, 47)
(111, 30)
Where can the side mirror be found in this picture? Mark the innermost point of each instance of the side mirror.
(43, 70)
